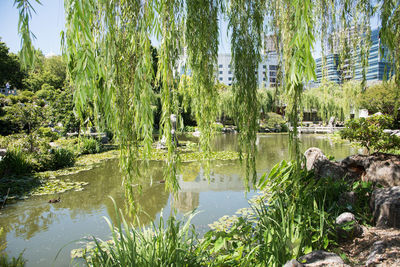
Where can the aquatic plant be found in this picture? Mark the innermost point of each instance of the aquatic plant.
(5, 260)
(290, 220)
(172, 242)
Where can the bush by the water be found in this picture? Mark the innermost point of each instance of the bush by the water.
(369, 133)
(61, 158)
(15, 162)
(90, 146)
(274, 121)
(27, 154)
(46, 132)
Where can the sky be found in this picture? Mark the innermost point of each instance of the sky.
(49, 21)
(46, 24)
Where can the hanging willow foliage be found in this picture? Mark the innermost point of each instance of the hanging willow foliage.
(110, 65)
(201, 39)
(246, 21)
(27, 53)
(170, 21)
(333, 100)
(107, 45)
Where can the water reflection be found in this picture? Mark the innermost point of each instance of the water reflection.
(42, 228)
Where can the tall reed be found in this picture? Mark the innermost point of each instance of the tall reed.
(171, 243)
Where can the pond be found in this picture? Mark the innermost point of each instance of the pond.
(41, 230)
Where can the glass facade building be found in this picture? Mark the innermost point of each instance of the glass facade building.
(378, 67)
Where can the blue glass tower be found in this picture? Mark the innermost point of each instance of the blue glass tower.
(378, 67)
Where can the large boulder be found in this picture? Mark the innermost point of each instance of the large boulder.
(321, 258)
(378, 168)
(347, 226)
(385, 205)
(293, 263)
(323, 167)
(316, 259)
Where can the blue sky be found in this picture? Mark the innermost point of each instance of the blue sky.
(49, 21)
(46, 24)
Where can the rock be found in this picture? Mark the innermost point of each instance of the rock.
(345, 217)
(347, 226)
(293, 263)
(162, 143)
(321, 258)
(197, 133)
(313, 155)
(378, 168)
(347, 198)
(375, 254)
(385, 204)
(323, 167)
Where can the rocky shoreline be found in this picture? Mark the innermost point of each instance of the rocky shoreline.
(360, 245)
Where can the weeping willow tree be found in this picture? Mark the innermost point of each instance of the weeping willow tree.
(107, 45)
(333, 100)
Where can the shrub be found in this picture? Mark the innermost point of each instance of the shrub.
(275, 121)
(60, 158)
(217, 127)
(90, 146)
(369, 132)
(46, 132)
(15, 162)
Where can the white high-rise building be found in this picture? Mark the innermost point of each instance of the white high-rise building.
(266, 71)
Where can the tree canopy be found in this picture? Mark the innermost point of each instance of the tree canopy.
(10, 70)
(109, 55)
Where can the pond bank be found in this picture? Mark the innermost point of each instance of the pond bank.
(52, 182)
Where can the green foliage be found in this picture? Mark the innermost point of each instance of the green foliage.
(274, 121)
(90, 146)
(172, 245)
(201, 37)
(369, 132)
(61, 158)
(246, 20)
(48, 74)
(333, 100)
(25, 115)
(381, 97)
(297, 219)
(267, 99)
(10, 69)
(361, 209)
(190, 129)
(5, 260)
(46, 132)
(15, 162)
